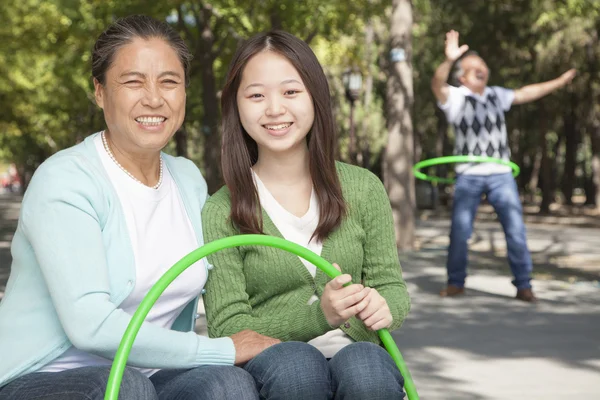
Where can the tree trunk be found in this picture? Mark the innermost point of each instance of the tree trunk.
(210, 104)
(364, 151)
(595, 139)
(545, 172)
(517, 155)
(275, 18)
(441, 146)
(571, 141)
(592, 193)
(589, 190)
(210, 130)
(399, 158)
(550, 172)
(181, 145)
(534, 178)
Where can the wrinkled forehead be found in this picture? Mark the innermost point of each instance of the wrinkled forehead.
(473, 62)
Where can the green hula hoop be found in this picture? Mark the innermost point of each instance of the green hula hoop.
(120, 360)
(458, 159)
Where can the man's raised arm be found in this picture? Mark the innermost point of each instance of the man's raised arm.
(439, 83)
(537, 90)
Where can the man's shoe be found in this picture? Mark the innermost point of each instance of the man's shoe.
(526, 295)
(452, 290)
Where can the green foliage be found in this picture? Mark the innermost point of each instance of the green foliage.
(46, 90)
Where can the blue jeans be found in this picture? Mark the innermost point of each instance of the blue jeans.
(295, 370)
(89, 383)
(502, 193)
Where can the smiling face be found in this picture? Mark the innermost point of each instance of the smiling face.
(476, 73)
(143, 98)
(275, 107)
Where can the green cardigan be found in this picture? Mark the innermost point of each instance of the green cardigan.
(267, 290)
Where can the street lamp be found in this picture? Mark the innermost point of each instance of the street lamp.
(352, 80)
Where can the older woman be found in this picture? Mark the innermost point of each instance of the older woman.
(100, 223)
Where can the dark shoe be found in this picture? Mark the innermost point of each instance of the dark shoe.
(452, 290)
(526, 295)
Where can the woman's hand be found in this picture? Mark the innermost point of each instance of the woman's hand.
(377, 314)
(249, 344)
(340, 303)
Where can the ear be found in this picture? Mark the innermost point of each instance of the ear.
(461, 79)
(99, 93)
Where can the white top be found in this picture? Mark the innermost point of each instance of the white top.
(299, 230)
(161, 234)
(479, 123)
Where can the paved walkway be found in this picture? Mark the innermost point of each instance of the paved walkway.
(489, 346)
(486, 345)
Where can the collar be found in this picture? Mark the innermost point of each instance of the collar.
(480, 97)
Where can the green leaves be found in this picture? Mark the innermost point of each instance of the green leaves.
(46, 90)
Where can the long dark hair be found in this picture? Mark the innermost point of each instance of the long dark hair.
(240, 151)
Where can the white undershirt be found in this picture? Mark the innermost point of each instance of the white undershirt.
(299, 230)
(161, 234)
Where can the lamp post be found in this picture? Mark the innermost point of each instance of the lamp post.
(352, 80)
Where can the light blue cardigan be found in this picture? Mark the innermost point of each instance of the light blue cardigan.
(73, 265)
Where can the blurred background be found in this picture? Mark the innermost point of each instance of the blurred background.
(379, 57)
(46, 89)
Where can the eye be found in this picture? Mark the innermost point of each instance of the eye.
(291, 92)
(134, 82)
(255, 96)
(170, 82)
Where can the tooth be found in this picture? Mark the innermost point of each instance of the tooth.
(276, 127)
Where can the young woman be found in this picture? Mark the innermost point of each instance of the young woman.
(282, 180)
(99, 224)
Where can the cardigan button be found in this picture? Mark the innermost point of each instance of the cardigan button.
(346, 324)
(203, 291)
(210, 266)
(197, 316)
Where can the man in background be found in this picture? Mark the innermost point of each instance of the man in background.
(476, 111)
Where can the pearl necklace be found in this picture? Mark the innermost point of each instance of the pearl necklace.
(112, 157)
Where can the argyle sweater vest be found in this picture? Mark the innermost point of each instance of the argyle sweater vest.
(480, 128)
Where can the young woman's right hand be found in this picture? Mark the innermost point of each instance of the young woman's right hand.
(340, 303)
(249, 344)
(453, 52)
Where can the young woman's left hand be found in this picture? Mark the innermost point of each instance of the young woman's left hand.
(377, 314)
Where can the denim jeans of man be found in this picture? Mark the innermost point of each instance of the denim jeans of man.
(298, 371)
(502, 193)
(206, 382)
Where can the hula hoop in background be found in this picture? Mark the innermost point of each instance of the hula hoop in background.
(120, 360)
(458, 159)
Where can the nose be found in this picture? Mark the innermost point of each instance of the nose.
(275, 107)
(153, 97)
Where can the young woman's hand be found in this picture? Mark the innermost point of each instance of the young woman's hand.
(249, 344)
(376, 314)
(340, 303)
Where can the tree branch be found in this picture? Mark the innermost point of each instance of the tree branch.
(183, 27)
(311, 35)
(241, 24)
(223, 41)
(201, 25)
